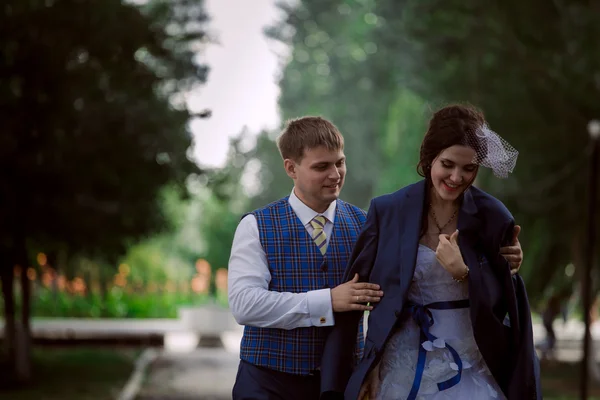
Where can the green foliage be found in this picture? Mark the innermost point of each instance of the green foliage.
(272, 179)
(172, 254)
(377, 68)
(218, 224)
(118, 303)
(533, 84)
(105, 137)
(400, 142)
(327, 75)
(152, 261)
(94, 127)
(338, 70)
(223, 205)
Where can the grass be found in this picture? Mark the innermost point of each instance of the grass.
(76, 373)
(560, 381)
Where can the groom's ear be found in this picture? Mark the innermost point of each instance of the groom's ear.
(290, 168)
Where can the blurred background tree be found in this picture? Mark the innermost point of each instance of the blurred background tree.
(537, 86)
(379, 68)
(94, 127)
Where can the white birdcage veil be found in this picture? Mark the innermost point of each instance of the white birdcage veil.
(491, 151)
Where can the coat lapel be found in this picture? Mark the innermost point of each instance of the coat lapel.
(412, 211)
(469, 226)
(468, 222)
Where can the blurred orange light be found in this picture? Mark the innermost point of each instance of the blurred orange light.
(42, 259)
(203, 267)
(61, 282)
(47, 279)
(120, 280)
(31, 274)
(221, 279)
(200, 284)
(78, 285)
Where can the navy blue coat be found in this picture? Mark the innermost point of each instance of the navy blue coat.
(385, 254)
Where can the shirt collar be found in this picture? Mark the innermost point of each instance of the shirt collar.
(306, 214)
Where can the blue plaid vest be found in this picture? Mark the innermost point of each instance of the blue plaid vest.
(297, 266)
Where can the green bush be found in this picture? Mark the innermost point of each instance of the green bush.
(119, 303)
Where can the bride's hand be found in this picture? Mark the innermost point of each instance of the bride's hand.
(448, 254)
(370, 386)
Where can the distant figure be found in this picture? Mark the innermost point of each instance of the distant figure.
(555, 306)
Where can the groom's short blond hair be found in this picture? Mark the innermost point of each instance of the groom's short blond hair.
(307, 133)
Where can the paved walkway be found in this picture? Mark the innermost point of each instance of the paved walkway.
(206, 374)
(202, 374)
(209, 373)
(183, 372)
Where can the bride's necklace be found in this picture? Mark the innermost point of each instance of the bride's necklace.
(437, 224)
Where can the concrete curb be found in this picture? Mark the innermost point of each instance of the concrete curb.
(132, 388)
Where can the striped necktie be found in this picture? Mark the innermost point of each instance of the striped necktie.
(318, 234)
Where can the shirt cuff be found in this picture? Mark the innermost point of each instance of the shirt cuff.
(319, 307)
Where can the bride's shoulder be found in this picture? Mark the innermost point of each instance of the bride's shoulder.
(489, 205)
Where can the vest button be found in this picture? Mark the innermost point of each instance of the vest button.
(324, 267)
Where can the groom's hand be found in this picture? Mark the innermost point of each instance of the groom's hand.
(353, 295)
(513, 253)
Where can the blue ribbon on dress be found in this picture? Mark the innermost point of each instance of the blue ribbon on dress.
(424, 318)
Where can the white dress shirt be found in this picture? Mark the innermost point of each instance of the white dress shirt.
(250, 300)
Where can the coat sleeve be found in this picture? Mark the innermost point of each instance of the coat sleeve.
(525, 376)
(338, 354)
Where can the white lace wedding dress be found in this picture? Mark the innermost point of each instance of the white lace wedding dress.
(431, 283)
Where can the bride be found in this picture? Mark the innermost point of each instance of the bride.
(453, 323)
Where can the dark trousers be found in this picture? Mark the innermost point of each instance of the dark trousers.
(259, 383)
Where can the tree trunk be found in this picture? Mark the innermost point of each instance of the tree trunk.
(23, 339)
(7, 275)
(87, 278)
(51, 262)
(578, 261)
(103, 294)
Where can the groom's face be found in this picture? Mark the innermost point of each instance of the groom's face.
(318, 176)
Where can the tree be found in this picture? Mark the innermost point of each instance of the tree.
(223, 204)
(377, 69)
(537, 84)
(90, 138)
(326, 76)
(338, 70)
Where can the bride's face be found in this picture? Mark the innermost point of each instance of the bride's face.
(453, 171)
